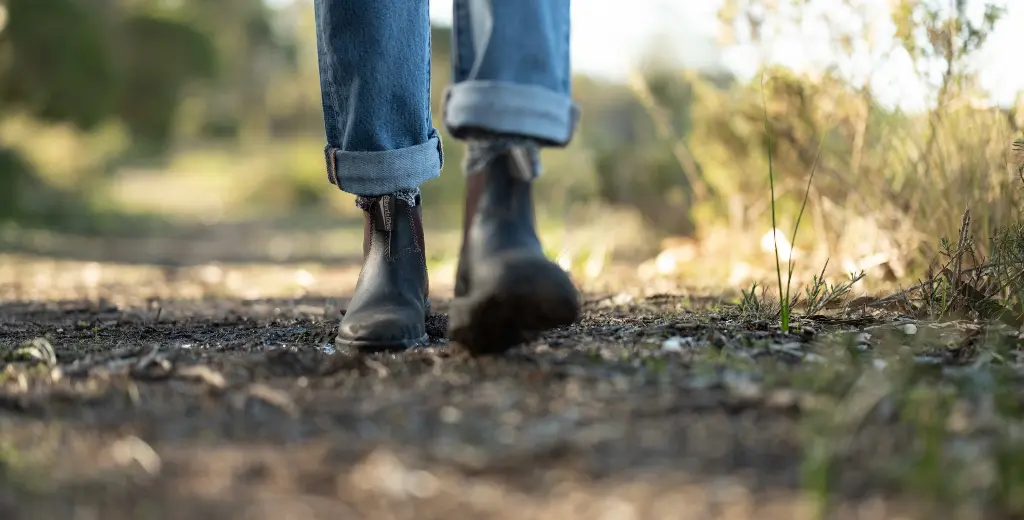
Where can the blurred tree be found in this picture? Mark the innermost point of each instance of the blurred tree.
(943, 37)
(935, 35)
(258, 48)
(56, 62)
(16, 178)
(900, 169)
(85, 61)
(68, 78)
(634, 141)
(160, 58)
(941, 34)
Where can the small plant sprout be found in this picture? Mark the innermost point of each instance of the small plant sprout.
(821, 295)
(785, 303)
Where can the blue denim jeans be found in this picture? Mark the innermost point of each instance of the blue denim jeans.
(510, 76)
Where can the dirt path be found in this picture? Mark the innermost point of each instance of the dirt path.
(653, 406)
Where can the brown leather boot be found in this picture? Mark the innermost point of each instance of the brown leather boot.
(390, 305)
(506, 290)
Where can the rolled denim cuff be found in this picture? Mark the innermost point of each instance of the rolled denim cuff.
(508, 108)
(370, 174)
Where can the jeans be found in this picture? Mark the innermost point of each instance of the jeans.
(510, 72)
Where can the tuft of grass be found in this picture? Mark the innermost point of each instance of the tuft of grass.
(963, 283)
(821, 295)
(759, 305)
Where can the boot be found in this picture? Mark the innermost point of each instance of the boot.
(506, 290)
(390, 305)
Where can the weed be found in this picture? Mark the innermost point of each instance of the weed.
(962, 282)
(821, 295)
(759, 305)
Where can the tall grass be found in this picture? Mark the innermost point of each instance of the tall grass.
(785, 300)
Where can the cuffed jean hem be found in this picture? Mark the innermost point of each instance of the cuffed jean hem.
(508, 108)
(369, 174)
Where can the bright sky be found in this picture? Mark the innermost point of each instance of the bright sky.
(608, 39)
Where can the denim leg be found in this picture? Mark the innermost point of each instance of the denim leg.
(511, 70)
(375, 83)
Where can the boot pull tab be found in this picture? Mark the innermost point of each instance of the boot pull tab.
(384, 216)
(523, 169)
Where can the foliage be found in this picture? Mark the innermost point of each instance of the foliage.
(68, 62)
(163, 58)
(205, 83)
(57, 63)
(89, 63)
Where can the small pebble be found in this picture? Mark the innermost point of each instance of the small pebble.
(808, 333)
(719, 340)
(450, 415)
(673, 344)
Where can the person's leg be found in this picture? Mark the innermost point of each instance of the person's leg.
(375, 85)
(381, 146)
(511, 70)
(510, 96)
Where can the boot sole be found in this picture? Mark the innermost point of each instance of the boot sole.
(511, 300)
(377, 346)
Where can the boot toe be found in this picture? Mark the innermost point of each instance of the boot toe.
(386, 329)
(513, 298)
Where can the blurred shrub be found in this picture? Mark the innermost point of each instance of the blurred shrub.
(57, 62)
(233, 86)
